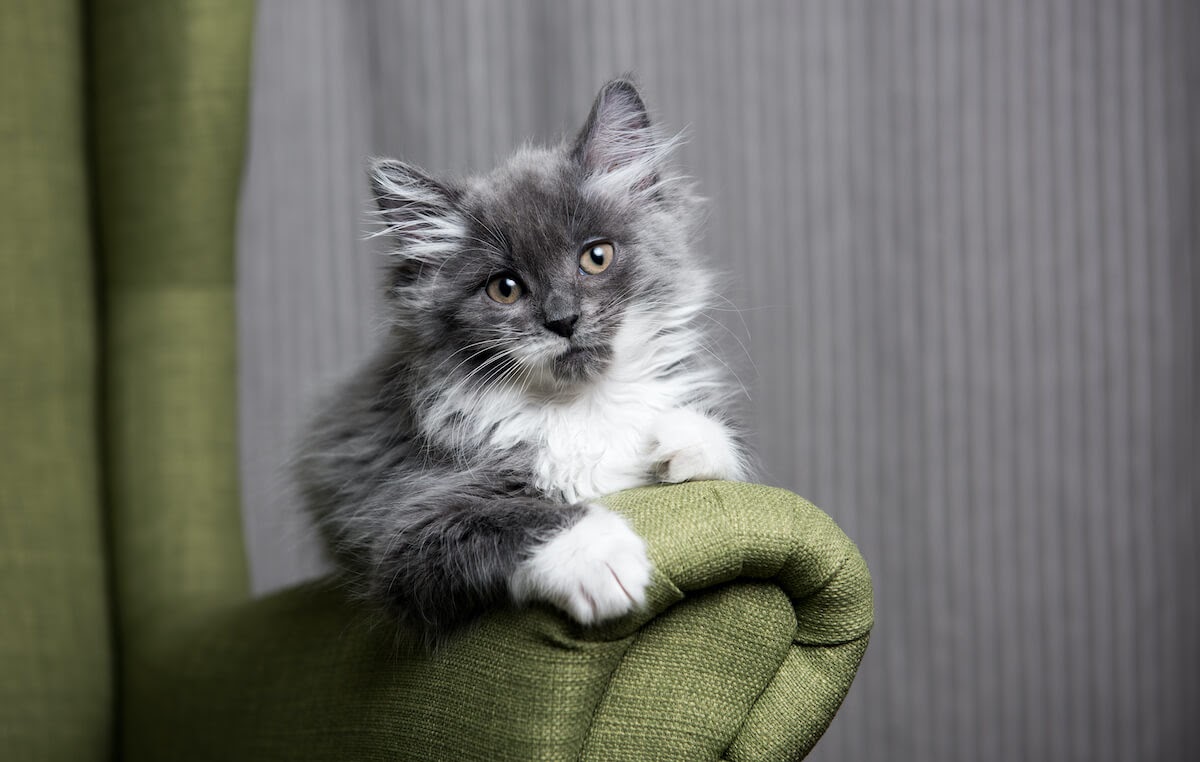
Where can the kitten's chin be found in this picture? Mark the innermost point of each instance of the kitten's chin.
(580, 365)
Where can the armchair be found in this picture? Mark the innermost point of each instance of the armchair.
(128, 629)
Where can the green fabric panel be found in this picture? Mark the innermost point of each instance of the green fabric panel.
(698, 674)
(692, 675)
(796, 708)
(736, 530)
(752, 531)
(304, 675)
(56, 687)
(176, 557)
(169, 82)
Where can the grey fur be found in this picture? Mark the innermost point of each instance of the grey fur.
(421, 510)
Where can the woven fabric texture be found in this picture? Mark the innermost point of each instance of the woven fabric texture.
(758, 617)
(169, 86)
(169, 91)
(55, 652)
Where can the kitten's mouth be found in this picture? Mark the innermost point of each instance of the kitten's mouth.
(581, 363)
(575, 352)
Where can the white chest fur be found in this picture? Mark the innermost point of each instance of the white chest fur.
(600, 441)
(601, 438)
(595, 441)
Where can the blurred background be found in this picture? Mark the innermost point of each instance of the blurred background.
(963, 238)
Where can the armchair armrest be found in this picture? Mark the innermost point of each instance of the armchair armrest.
(758, 616)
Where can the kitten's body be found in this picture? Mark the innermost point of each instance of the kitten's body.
(457, 467)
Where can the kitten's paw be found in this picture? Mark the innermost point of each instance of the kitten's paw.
(594, 570)
(689, 446)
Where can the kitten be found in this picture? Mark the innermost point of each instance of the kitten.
(547, 345)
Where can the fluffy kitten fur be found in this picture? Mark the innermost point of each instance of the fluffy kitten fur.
(460, 467)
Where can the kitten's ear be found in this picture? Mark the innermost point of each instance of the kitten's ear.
(618, 146)
(417, 209)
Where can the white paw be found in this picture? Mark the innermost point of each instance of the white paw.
(596, 569)
(689, 446)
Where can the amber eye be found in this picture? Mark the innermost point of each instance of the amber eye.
(596, 257)
(504, 289)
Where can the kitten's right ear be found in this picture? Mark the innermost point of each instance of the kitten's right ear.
(417, 209)
(618, 147)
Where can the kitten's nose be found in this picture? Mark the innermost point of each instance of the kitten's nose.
(564, 326)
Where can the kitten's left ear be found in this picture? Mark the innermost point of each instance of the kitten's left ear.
(618, 146)
(419, 210)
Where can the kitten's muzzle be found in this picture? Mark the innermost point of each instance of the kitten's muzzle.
(581, 363)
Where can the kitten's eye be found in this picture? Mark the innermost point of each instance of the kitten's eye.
(504, 289)
(597, 257)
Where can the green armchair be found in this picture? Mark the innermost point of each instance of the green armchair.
(128, 630)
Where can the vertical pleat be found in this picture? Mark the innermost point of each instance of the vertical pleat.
(57, 650)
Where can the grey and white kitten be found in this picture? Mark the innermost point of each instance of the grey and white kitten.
(547, 344)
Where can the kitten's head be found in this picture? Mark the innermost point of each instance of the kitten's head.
(530, 270)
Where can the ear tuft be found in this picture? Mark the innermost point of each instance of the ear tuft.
(617, 128)
(618, 146)
(416, 209)
(399, 185)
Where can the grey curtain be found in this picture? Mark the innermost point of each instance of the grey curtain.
(963, 240)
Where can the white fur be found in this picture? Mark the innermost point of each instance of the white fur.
(636, 155)
(600, 441)
(596, 570)
(604, 439)
(608, 435)
(690, 446)
(430, 230)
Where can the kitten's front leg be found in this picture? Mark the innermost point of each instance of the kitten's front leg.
(596, 569)
(450, 546)
(691, 446)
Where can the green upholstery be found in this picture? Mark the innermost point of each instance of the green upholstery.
(168, 121)
(168, 114)
(759, 615)
(127, 628)
(56, 653)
